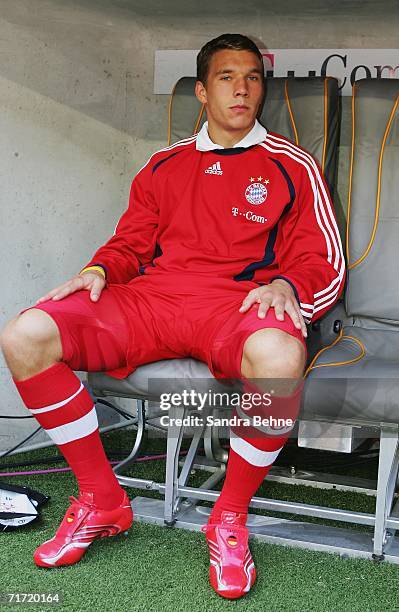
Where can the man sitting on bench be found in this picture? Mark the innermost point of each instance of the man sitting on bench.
(227, 249)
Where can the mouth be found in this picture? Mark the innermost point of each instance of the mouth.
(239, 108)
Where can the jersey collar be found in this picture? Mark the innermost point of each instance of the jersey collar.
(255, 136)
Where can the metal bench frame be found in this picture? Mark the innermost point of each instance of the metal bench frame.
(180, 507)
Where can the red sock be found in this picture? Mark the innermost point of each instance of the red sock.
(243, 478)
(64, 408)
(253, 452)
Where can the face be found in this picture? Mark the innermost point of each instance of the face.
(233, 91)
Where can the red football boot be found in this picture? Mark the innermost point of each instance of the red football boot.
(232, 570)
(82, 524)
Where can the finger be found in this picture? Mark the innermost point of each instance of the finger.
(251, 299)
(262, 310)
(51, 293)
(44, 298)
(97, 287)
(73, 285)
(296, 317)
(279, 308)
(264, 306)
(294, 314)
(304, 329)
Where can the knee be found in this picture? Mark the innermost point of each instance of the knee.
(272, 353)
(34, 329)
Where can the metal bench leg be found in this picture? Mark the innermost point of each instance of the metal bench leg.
(190, 457)
(213, 449)
(387, 475)
(189, 461)
(175, 437)
(123, 465)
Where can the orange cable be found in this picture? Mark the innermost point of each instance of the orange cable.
(350, 173)
(170, 113)
(338, 363)
(310, 367)
(197, 123)
(290, 111)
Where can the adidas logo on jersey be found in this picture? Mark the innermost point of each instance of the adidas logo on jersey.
(214, 169)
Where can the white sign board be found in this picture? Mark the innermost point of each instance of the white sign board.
(347, 65)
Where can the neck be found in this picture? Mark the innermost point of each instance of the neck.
(225, 138)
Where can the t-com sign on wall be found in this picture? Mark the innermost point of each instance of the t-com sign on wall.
(347, 65)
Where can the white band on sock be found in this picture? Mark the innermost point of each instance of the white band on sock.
(252, 455)
(58, 404)
(75, 430)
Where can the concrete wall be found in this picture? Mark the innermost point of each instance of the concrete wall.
(78, 118)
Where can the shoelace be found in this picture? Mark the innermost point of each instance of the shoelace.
(79, 502)
(233, 528)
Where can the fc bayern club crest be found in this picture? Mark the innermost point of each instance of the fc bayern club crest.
(256, 192)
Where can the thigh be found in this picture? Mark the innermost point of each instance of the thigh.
(94, 335)
(225, 356)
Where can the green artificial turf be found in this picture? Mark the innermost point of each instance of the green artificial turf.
(156, 568)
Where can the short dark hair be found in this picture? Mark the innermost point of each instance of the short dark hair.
(237, 42)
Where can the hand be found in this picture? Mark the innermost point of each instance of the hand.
(280, 296)
(90, 280)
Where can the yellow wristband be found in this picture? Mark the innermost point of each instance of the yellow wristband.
(96, 268)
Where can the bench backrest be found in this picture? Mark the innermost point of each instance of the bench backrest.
(373, 206)
(304, 109)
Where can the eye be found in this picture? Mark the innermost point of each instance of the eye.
(253, 77)
(226, 77)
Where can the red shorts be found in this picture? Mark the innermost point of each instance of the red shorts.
(160, 317)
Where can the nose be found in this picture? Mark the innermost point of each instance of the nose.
(241, 88)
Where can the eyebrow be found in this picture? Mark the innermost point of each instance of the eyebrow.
(230, 70)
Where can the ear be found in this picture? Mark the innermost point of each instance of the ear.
(200, 92)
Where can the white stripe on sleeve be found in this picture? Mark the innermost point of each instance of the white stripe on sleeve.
(328, 227)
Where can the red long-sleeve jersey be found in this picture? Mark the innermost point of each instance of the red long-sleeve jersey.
(246, 213)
